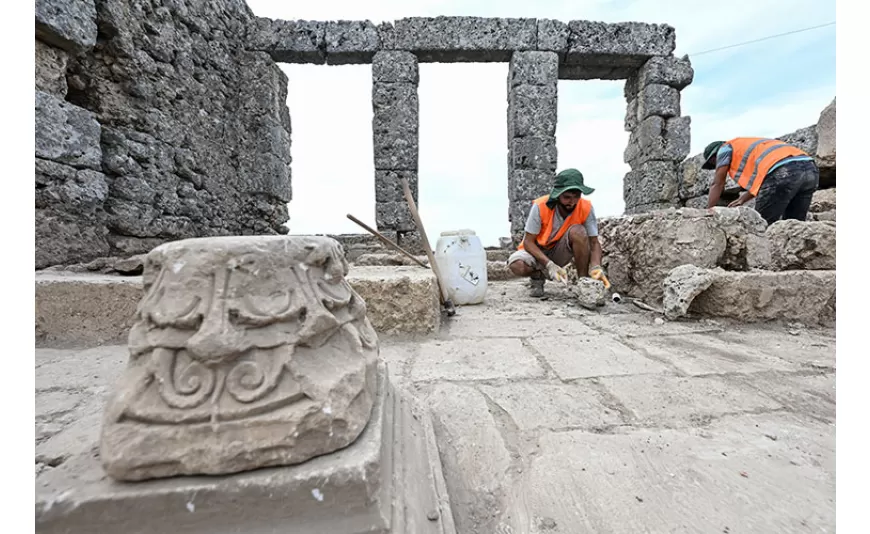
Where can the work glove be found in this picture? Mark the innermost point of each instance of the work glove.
(596, 272)
(557, 273)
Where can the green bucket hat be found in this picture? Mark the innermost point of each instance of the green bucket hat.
(568, 180)
(709, 154)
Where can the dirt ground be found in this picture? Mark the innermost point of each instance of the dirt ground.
(552, 418)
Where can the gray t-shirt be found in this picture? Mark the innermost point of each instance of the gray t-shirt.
(533, 223)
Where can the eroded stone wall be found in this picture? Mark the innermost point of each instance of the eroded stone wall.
(154, 123)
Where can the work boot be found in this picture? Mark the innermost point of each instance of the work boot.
(537, 287)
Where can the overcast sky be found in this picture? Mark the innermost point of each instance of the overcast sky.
(768, 88)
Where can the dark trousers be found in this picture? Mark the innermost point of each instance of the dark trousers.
(786, 193)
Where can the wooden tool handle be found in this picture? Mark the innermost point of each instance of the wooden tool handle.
(387, 242)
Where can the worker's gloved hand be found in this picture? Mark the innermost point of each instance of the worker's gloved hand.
(557, 273)
(597, 272)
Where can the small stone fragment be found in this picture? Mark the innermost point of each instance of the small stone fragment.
(681, 286)
(590, 293)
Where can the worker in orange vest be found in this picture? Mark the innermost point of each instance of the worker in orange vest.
(781, 176)
(560, 227)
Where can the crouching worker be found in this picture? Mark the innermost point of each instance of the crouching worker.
(560, 227)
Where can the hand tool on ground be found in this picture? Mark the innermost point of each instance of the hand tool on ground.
(386, 241)
(597, 273)
(445, 298)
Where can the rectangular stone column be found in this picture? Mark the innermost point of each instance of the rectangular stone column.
(533, 79)
(659, 138)
(395, 127)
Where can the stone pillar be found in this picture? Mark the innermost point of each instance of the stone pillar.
(660, 137)
(395, 127)
(533, 79)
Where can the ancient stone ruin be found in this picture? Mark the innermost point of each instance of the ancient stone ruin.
(197, 371)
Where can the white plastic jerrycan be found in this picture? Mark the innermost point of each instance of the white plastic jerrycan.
(461, 259)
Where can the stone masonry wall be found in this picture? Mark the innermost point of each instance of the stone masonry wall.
(154, 123)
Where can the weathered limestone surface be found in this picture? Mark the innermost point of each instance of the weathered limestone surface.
(67, 24)
(81, 310)
(533, 79)
(824, 200)
(399, 300)
(457, 39)
(50, 67)
(590, 293)
(395, 130)
(827, 135)
(806, 296)
(681, 286)
(626, 44)
(802, 245)
(190, 129)
(246, 352)
(289, 41)
(641, 250)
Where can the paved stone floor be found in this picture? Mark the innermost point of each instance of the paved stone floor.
(551, 418)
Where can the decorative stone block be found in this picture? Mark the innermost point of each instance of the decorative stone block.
(245, 352)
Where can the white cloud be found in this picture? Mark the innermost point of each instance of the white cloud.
(463, 152)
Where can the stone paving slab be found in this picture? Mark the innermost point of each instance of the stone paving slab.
(533, 405)
(698, 354)
(666, 400)
(812, 395)
(589, 355)
(729, 477)
(475, 359)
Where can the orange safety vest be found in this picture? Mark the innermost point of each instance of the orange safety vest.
(754, 156)
(578, 216)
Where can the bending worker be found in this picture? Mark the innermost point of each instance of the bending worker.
(781, 176)
(560, 227)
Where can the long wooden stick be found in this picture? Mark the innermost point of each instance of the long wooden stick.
(386, 241)
(413, 207)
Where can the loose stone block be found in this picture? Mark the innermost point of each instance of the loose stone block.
(658, 99)
(388, 185)
(399, 300)
(810, 245)
(553, 35)
(806, 296)
(351, 42)
(460, 39)
(654, 181)
(532, 111)
(66, 133)
(681, 286)
(630, 43)
(51, 69)
(525, 185)
(667, 70)
(246, 352)
(533, 153)
(67, 24)
(533, 68)
(395, 66)
(394, 216)
(289, 41)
